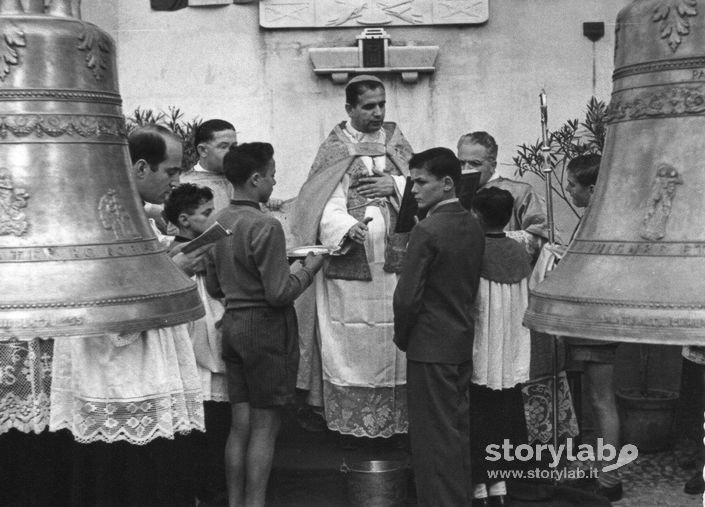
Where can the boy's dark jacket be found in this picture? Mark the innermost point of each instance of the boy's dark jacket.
(436, 290)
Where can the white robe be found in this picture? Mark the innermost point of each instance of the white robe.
(25, 383)
(364, 374)
(207, 338)
(134, 387)
(502, 345)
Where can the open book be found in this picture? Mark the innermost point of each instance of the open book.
(210, 235)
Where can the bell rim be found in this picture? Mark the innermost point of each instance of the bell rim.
(97, 328)
(113, 301)
(611, 303)
(560, 325)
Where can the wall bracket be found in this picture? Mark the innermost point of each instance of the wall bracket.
(374, 55)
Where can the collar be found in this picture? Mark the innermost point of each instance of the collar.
(495, 234)
(439, 204)
(198, 168)
(242, 202)
(495, 176)
(363, 137)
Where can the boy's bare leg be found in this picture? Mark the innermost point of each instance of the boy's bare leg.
(264, 424)
(235, 451)
(600, 384)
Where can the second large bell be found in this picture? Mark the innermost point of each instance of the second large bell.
(635, 270)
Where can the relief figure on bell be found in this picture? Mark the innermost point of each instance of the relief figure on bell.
(660, 202)
(12, 219)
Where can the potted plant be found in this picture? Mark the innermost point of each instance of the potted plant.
(646, 412)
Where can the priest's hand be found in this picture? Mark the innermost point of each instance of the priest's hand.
(376, 186)
(358, 232)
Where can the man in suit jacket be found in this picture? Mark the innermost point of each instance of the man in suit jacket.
(434, 326)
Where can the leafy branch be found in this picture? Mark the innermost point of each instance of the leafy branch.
(173, 120)
(573, 138)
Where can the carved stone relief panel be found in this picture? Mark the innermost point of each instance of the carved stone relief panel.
(360, 13)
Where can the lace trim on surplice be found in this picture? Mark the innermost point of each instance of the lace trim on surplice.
(133, 388)
(136, 421)
(366, 411)
(25, 384)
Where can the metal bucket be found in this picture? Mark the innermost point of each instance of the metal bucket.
(377, 483)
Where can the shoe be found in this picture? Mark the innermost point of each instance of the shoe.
(498, 501)
(309, 420)
(695, 485)
(480, 502)
(611, 493)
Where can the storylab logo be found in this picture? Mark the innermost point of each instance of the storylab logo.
(599, 453)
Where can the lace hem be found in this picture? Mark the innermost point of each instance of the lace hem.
(25, 384)
(28, 415)
(214, 385)
(366, 411)
(135, 421)
(219, 397)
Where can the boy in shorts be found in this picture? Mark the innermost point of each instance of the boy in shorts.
(250, 271)
(598, 357)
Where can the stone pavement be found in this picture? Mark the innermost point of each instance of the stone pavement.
(307, 471)
(307, 468)
(656, 480)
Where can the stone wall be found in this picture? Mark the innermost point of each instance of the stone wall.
(218, 62)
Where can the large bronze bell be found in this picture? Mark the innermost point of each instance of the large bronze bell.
(636, 269)
(77, 255)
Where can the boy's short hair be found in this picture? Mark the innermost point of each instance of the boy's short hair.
(440, 162)
(206, 130)
(185, 198)
(585, 168)
(244, 159)
(494, 205)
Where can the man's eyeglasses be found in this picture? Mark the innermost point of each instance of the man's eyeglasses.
(470, 163)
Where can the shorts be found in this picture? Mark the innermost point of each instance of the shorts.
(261, 354)
(600, 353)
